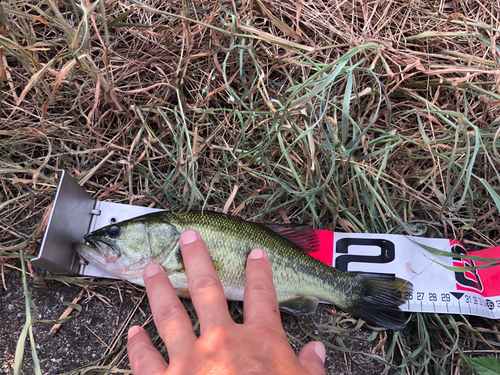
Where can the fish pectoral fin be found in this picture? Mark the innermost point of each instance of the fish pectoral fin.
(183, 293)
(301, 305)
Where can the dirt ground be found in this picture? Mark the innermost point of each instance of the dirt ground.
(107, 312)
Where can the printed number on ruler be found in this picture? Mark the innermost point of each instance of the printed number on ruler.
(387, 252)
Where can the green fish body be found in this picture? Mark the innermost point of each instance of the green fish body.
(125, 249)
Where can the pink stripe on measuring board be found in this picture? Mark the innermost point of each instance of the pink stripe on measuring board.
(325, 252)
(488, 279)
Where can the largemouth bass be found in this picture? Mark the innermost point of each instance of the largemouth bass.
(125, 249)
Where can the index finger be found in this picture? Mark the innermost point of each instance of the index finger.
(204, 284)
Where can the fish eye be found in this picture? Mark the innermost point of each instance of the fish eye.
(113, 231)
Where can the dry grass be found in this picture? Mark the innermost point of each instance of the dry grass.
(377, 116)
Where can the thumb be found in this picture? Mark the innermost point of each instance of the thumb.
(312, 358)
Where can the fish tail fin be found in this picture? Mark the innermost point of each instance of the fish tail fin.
(379, 298)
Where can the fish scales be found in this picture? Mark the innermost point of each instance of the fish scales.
(301, 281)
(291, 267)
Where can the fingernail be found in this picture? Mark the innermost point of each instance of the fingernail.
(133, 331)
(151, 270)
(257, 254)
(188, 237)
(320, 350)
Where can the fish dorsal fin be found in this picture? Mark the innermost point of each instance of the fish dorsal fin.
(303, 236)
(302, 305)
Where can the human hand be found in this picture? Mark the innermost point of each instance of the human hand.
(258, 346)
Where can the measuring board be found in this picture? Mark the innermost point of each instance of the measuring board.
(435, 288)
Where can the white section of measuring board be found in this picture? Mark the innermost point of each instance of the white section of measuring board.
(110, 213)
(434, 287)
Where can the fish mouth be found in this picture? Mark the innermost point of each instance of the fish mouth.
(83, 249)
(89, 253)
(100, 250)
(105, 255)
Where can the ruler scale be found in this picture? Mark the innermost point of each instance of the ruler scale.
(435, 288)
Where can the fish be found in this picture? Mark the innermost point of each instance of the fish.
(124, 249)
